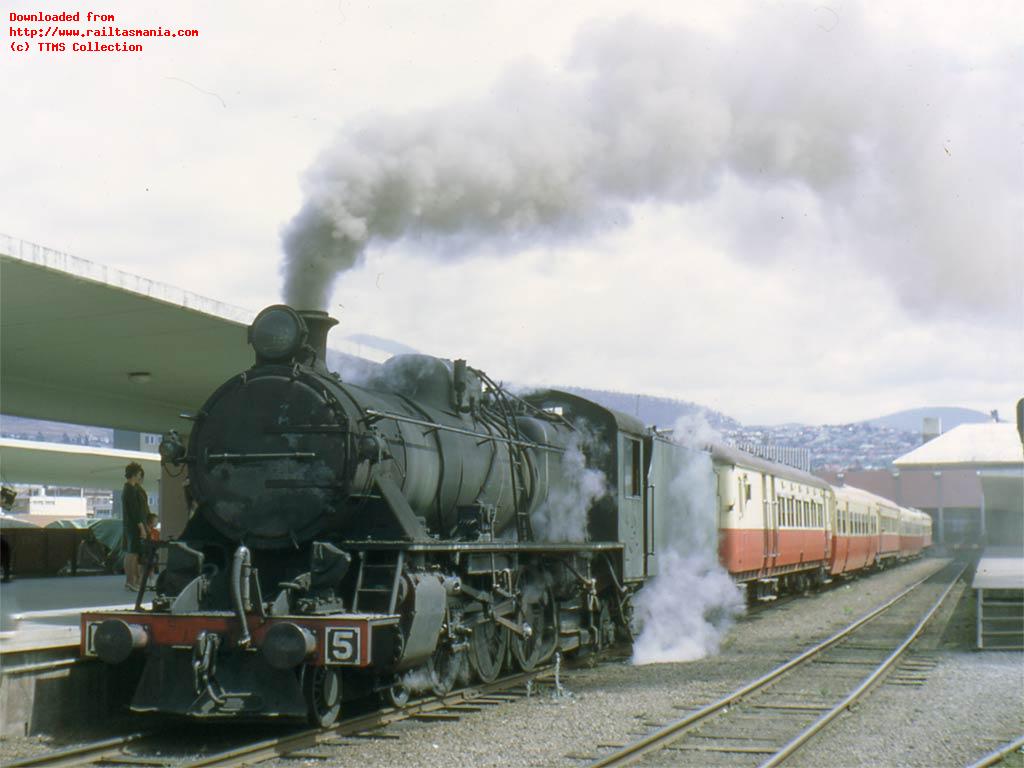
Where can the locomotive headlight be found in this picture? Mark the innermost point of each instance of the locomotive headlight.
(172, 451)
(277, 333)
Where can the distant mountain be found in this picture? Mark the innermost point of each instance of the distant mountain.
(912, 419)
(662, 412)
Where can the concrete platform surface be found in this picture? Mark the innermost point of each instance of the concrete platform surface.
(1000, 568)
(43, 613)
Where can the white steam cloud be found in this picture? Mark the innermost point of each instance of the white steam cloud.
(831, 139)
(562, 516)
(685, 611)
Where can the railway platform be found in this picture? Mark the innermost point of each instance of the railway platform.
(43, 682)
(999, 583)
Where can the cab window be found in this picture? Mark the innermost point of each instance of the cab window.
(631, 468)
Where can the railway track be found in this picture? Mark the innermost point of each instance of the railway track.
(767, 720)
(1003, 755)
(148, 747)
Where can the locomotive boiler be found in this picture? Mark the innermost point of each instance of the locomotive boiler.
(350, 539)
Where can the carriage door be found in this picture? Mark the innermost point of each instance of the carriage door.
(766, 523)
(661, 464)
(631, 507)
(772, 506)
(826, 515)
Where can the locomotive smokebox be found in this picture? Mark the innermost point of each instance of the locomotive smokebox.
(319, 324)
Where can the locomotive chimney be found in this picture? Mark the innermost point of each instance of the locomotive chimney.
(319, 324)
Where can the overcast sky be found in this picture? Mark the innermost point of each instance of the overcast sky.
(785, 211)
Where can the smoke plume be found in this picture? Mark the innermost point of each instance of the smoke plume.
(829, 140)
(562, 516)
(685, 611)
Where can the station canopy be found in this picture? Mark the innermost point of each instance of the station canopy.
(87, 344)
(76, 466)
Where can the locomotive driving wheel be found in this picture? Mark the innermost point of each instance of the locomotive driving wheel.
(488, 646)
(322, 688)
(445, 667)
(539, 611)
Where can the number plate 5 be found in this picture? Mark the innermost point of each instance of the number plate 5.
(343, 646)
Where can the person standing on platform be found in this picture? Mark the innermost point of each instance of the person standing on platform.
(7, 496)
(135, 512)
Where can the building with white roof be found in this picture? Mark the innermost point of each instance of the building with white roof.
(970, 480)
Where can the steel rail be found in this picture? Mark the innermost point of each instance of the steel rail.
(655, 741)
(808, 733)
(94, 752)
(996, 756)
(268, 749)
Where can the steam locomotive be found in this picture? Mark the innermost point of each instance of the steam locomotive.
(427, 524)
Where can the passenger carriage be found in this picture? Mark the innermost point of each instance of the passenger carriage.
(773, 522)
(889, 538)
(915, 532)
(855, 529)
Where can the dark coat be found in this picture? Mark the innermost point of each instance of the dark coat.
(134, 512)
